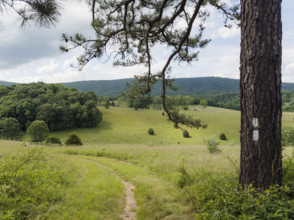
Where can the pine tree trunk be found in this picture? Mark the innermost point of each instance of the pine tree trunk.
(260, 87)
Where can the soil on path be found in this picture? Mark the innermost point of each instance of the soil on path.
(131, 207)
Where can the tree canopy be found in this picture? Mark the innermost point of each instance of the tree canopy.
(58, 106)
(43, 13)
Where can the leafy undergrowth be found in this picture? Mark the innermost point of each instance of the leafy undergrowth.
(29, 184)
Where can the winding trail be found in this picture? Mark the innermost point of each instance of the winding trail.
(130, 201)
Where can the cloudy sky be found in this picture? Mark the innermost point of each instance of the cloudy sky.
(32, 54)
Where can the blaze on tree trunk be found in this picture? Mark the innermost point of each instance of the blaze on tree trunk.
(260, 87)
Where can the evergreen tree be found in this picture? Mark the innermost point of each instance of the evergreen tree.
(260, 86)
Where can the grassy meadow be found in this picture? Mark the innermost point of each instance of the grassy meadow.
(128, 126)
(175, 177)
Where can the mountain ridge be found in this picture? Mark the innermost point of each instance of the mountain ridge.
(186, 86)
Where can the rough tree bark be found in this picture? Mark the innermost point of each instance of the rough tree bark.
(260, 86)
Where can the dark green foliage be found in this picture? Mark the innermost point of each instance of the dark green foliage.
(203, 103)
(287, 136)
(150, 131)
(52, 140)
(73, 139)
(10, 128)
(185, 134)
(135, 97)
(176, 125)
(30, 185)
(222, 137)
(60, 107)
(204, 124)
(107, 104)
(38, 131)
(218, 195)
(186, 107)
(228, 202)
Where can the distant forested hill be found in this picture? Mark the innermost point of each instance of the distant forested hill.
(186, 86)
(4, 83)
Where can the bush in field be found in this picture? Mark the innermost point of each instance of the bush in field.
(73, 139)
(29, 185)
(288, 136)
(38, 131)
(204, 124)
(150, 131)
(53, 140)
(176, 125)
(222, 137)
(185, 134)
(212, 144)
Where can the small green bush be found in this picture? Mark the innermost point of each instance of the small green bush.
(222, 137)
(204, 124)
(185, 178)
(176, 125)
(150, 131)
(52, 140)
(288, 136)
(212, 144)
(185, 134)
(73, 139)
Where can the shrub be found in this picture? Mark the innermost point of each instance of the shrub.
(204, 124)
(150, 131)
(73, 139)
(30, 184)
(185, 178)
(52, 140)
(212, 144)
(176, 125)
(222, 137)
(186, 107)
(38, 131)
(288, 136)
(185, 134)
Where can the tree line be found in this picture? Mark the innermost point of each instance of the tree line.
(225, 100)
(60, 107)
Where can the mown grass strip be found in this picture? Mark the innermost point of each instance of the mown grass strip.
(97, 194)
(156, 198)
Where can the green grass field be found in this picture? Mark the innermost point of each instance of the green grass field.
(128, 126)
(173, 175)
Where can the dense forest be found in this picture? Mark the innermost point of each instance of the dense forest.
(60, 107)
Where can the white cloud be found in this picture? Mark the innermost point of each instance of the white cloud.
(289, 69)
(226, 33)
(48, 67)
